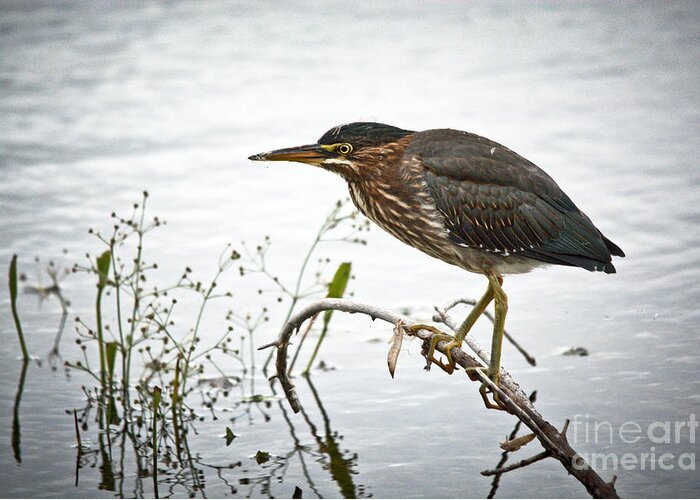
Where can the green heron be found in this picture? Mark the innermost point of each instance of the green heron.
(465, 200)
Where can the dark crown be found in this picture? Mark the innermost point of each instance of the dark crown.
(364, 134)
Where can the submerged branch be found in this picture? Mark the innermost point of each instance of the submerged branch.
(511, 395)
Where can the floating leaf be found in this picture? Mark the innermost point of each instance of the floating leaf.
(576, 351)
(261, 457)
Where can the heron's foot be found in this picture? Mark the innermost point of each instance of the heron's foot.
(438, 337)
(485, 389)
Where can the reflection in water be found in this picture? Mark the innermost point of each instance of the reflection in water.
(56, 273)
(127, 447)
(54, 355)
(186, 473)
(327, 452)
(340, 467)
(495, 482)
(16, 433)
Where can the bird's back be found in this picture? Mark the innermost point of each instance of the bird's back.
(497, 204)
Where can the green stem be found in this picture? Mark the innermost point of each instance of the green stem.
(156, 404)
(117, 291)
(175, 403)
(138, 272)
(307, 370)
(16, 434)
(13, 305)
(195, 332)
(336, 290)
(302, 270)
(102, 270)
(100, 339)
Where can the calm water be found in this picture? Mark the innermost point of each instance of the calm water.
(101, 101)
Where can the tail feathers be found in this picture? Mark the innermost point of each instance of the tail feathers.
(613, 248)
(587, 263)
(564, 259)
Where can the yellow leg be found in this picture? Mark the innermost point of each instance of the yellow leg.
(461, 332)
(494, 293)
(501, 309)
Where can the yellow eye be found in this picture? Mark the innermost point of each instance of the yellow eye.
(344, 149)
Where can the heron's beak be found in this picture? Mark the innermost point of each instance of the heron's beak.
(311, 153)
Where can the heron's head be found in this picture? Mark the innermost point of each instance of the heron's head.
(353, 150)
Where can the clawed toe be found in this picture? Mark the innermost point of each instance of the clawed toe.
(485, 389)
(494, 402)
(439, 336)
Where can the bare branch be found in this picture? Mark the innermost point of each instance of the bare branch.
(517, 465)
(510, 394)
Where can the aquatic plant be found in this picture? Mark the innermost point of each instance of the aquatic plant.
(149, 366)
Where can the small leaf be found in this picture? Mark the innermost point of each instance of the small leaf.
(111, 353)
(103, 268)
(156, 398)
(393, 356)
(336, 288)
(230, 436)
(13, 278)
(517, 443)
(261, 457)
(576, 351)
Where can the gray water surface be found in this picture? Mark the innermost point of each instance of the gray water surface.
(100, 101)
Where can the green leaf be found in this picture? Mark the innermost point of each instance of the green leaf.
(336, 290)
(230, 436)
(103, 268)
(156, 398)
(337, 286)
(111, 352)
(13, 278)
(261, 457)
(156, 404)
(255, 398)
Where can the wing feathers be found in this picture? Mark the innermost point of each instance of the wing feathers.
(495, 200)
